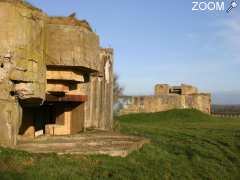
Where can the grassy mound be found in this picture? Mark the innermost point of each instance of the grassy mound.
(185, 144)
(168, 116)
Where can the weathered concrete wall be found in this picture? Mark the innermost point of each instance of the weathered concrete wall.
(22, 49)
(163, 101)
(99, 107)
(77, 123)
(10, 121)
(106, 56)
(22, 63)
(153, 104)
(201, 101)
(188, 89)
(71, 44)
(44, 60)
(161, 89)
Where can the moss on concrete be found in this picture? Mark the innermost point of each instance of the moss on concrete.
(69, 21)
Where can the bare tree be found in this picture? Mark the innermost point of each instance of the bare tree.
(117, 89)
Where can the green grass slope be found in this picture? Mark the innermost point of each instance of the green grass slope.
(185, 144)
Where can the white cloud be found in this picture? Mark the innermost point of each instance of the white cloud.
(229, 33)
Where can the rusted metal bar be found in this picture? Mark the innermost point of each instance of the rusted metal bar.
(66, 98)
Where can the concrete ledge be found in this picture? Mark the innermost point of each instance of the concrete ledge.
(90, 143)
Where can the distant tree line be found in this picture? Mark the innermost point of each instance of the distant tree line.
(226, 110)
(117, 89)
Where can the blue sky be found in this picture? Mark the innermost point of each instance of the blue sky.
(162, 41)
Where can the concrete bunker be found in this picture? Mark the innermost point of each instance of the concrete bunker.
(55, 79)
(169, 97)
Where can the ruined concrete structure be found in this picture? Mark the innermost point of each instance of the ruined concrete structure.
(169, 97)
(54, 76)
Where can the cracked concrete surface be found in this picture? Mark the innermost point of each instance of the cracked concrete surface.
(89, 143)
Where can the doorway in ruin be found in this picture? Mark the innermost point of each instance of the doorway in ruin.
(52, 118)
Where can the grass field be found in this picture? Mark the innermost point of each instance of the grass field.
(185, 144)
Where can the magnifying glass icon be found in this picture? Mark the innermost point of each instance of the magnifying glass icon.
(233, 5)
